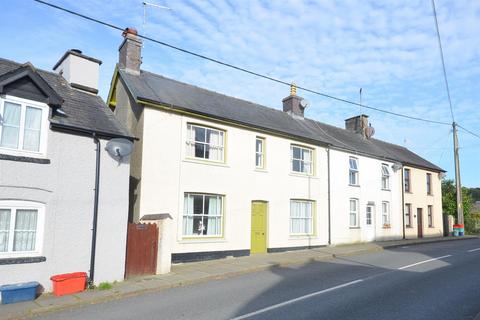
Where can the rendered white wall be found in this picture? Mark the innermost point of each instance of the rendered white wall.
(369, 190)
(66, 187)
(167, 175)
(80, 71)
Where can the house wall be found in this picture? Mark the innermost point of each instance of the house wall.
(167, 174)
(419, 198)
(66, 187)
(131, 115)
(369, 191)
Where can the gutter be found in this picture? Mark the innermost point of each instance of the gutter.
(87, 132)
(95, 212)
(174, 108)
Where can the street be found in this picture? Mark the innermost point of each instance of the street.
(429, 281)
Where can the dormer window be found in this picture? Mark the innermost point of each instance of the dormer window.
(23, 126)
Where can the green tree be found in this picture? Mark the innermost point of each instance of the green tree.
(449, 199)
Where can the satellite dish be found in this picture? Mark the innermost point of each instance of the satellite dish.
(369, 131)
(304, 103)
(118, 148)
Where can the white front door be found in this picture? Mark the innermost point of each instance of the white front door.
(370, 223)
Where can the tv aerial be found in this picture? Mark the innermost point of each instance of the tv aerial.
(149, 4)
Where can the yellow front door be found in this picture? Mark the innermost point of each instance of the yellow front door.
(259, 227)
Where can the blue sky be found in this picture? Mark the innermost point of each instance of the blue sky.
(387, 48)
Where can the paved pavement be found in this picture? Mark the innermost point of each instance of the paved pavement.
(289, 275)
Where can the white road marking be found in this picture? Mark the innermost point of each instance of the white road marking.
(473, 250)
(424, 261)
(307, 296)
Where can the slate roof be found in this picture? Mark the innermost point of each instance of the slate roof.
(84, 111)
(158, 89)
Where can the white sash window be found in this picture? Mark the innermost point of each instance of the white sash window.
(301, 217)
(354, 222)
(202, 215)
(205, 143)
(21, 228)
(23, 126)
(353, 172)
(301, 159)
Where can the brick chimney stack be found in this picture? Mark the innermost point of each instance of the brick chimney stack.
(130, 52)
(359, 124)
(294, 104)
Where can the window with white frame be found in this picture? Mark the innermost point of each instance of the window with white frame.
(202, 214)
(301, 159)
(353, 172)
(386, 214)
(301, 217)
(430, 216)
(354, 222)
(385, 177)
(408, 215)
(21, 228)
(23, 126)
(205, 143)
(260, 153)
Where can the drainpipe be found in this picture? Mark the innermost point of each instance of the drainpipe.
(329, 206)
(403, 205)
(95, 212)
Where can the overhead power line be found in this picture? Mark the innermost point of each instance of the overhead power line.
(469, 131)
(443, 60)
(257, 74)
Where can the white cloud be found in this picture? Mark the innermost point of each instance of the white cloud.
(388, 49)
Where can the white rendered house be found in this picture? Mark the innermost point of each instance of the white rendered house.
(238, 178)
(51, 124)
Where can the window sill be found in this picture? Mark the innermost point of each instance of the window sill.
(302, 175)
(261, 170)
(206, 162)
(386, 190)
(430, 194)
(354, 228)
(301, 236)
(354, 185)
(408, 192)
(9, 157)
(22, 260)
(386, 228)
(409, 227)
(202, 240)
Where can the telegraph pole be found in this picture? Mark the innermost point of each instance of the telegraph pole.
(458, 184)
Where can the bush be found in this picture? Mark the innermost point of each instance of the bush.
(472, 223)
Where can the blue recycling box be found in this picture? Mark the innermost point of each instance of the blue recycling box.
(12, 293)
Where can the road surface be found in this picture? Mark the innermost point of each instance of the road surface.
(430, 281)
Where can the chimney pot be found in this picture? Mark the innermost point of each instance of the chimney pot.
(130, 31)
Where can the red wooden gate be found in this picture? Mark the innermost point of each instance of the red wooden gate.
(142, 247)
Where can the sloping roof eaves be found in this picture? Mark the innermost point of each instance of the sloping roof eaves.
(157, 89)
(84, 111)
